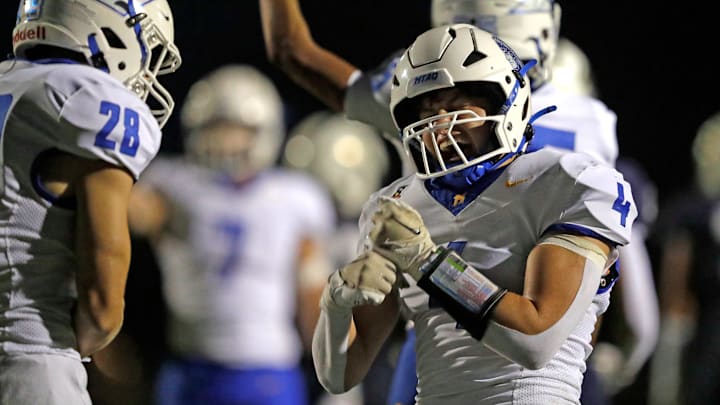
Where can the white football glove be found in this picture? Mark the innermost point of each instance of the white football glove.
(399, 234)
(365, 280)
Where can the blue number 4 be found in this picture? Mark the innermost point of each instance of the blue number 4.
(620, 205)
(131, 122)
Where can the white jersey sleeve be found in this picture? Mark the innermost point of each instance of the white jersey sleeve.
(367, 99)
(580, 123)
(605, 206)
(101, 119)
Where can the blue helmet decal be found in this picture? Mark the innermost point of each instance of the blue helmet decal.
(510, 55)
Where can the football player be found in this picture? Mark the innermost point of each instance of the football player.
(77, 130)
(239, 245)
(495, 253)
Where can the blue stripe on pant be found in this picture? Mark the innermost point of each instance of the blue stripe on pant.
(194, 382)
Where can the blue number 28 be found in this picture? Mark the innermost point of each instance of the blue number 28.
(131, 122)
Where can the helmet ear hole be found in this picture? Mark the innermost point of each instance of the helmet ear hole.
(112, 38)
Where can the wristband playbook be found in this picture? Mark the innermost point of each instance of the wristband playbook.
(465, 293)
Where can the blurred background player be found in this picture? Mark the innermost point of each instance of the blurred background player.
(685, 368)
(76, 133)
(240, 245)
(352, 161)
(349, 158)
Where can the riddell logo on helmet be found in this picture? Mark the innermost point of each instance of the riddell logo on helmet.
(37, 32)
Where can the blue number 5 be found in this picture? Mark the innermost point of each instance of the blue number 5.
(131, 138)
(620, 205)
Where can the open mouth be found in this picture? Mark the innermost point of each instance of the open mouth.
(449, 153)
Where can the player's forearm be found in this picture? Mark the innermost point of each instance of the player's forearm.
(290, 46)
(339, 367)
(102, 248)
(100, 307)
(371, 334)
(95, 329)
(530, 332)
(329, 346)
(147, 211)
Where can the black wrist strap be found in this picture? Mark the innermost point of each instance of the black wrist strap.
(474, 320)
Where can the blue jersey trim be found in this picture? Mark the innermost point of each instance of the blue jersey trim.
(578, 230)
(68, 203)
(49, 61)
(448, 198)
(545, 136)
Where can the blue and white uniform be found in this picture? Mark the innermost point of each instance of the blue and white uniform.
(46, 108)
(580, 123)
(495, 226)
(229, 261)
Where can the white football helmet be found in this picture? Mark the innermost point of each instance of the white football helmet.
(530, 27)
(706, 156)
(572, 72)
(233, 119)
(130, 39)
(460, 55)
(349, 157)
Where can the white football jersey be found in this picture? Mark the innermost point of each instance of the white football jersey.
(546, 190)
(580, 123)
(367, 99)
(46, 108)
(229, 260)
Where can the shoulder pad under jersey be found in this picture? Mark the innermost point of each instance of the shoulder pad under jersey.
(603, 194)
(100, 118)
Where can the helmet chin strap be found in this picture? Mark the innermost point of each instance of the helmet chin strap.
(462, 179)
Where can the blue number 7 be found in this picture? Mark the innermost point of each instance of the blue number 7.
(620, 205)
(131, 138)
(234, 232)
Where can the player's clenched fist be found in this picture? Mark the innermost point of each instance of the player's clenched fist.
(366, 280)
(399, 234)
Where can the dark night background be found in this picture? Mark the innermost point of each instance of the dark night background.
(652, 63)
